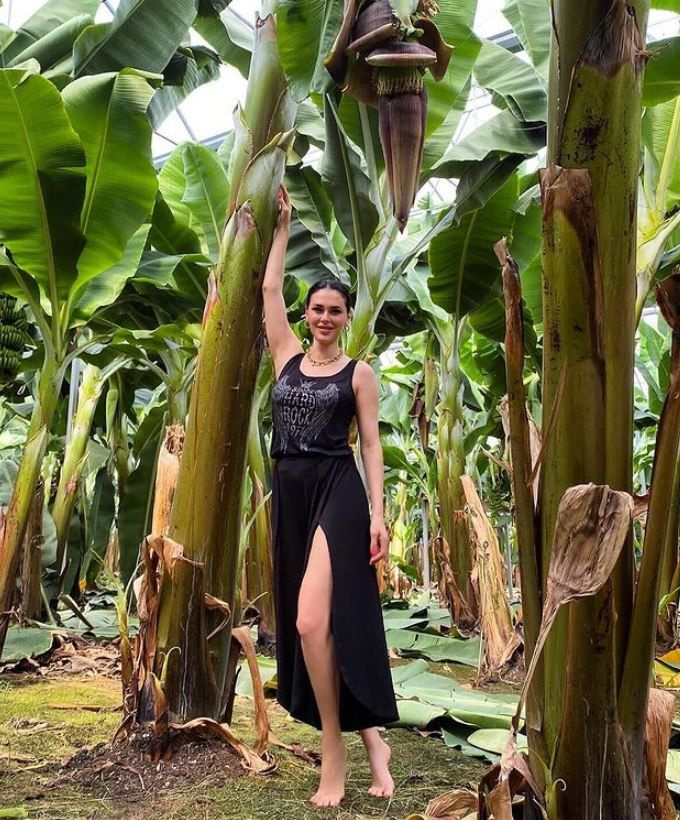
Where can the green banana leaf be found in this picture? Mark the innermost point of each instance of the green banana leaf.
(143, 35)
(501, 135)
(201, 66)
(661, 138)
(136, 506)
(465, 271)
(42, 187)
(347, 184)
(530, 20)
(172, 184)
(662, 72)
(108, 112)
(423, 697)
(98, 521)
(438, 142)
(53, 49)
(228, 35)
(206, 192)
(49, 17)
(440, 648)
(306, 30)
(454, 21)
(105, 288)
(514, 83)
(25, 642)
(8, 472)
(315, 211)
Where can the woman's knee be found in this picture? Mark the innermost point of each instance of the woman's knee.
(312, 625)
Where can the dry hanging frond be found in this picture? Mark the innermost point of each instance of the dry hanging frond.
(502, 785)
(242, 635)
(591, 528)
(660, 711)
(500, 638)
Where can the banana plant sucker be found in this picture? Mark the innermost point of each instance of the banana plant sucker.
(75, 454)
(451, 459)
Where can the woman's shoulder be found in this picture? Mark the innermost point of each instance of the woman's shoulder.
(363, 374)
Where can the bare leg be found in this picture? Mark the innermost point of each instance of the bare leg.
(314, 627)
(379, 754)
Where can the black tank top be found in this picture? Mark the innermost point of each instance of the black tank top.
(312, 414)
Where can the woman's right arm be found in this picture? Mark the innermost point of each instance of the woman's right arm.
(283, 343)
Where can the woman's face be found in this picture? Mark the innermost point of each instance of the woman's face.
(326, 315)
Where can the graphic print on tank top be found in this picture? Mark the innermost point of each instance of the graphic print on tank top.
(301, 411)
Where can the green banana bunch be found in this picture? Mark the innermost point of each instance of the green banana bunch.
(13, 337)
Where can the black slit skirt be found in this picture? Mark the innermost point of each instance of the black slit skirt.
(327, 492)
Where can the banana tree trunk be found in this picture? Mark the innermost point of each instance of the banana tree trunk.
(589, 238)
(207, 504)
(450, 469)
(75, 456)
(18, 511)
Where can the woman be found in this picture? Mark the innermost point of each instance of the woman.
(332, 665)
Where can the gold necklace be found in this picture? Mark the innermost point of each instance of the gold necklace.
(316, 363)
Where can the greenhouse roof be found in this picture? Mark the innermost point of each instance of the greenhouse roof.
(207, 114)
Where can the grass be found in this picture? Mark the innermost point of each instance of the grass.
(35, 737)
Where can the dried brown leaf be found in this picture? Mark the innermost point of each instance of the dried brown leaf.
(500, 637)
(591, 528)
(242, 635)
(660, 712)
(454, 804)
(308, 755)
(262, 765)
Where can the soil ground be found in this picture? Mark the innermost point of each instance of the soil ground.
(56, 762)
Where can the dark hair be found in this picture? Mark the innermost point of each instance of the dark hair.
(333, 284)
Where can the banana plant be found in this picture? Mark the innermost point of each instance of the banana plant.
(659, 196)
(79, 187)
(464, 280)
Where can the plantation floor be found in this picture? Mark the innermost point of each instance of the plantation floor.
(55, 763)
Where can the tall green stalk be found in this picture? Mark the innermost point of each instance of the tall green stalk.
(589, 239)
(16, 518)
(75, 455)
(207, 502)
(450, 468)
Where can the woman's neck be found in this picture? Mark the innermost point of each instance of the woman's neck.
(320, 351)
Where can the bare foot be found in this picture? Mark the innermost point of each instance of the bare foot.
(379, 754)
(333, 771)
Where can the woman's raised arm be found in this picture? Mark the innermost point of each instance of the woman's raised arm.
(283, 343)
